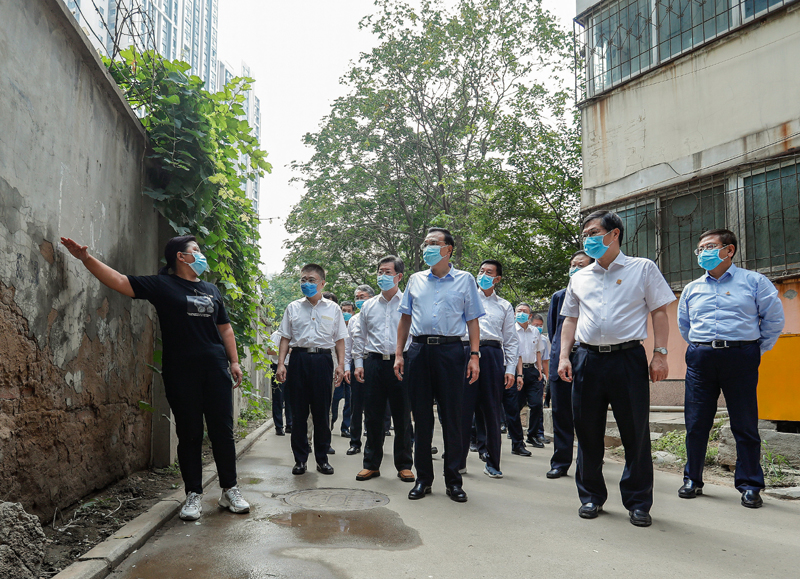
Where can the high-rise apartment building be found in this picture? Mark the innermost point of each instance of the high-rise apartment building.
(177, 29)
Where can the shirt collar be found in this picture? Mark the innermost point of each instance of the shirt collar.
(493, 296)
(620, 261)
(521, 329)
(398, 295)
(449, 274)
(730, 273)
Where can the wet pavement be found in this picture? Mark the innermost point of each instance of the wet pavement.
(523, 525)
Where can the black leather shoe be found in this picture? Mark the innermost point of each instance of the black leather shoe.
(473, 447)
(299, 468)
(522, 451)
(544, 440)
(556, 473)
(353, 450)
(279, 432)
(419, 491)
(387, 433)
(640, 518)
(752, 499)
(345, 434)
(325, 468)
(456, 493)
(288, 430)
(503, 429)
(690, 490)
(434, 450)
(589, 510)
(536, 443)
(484, 456)
(331, 450)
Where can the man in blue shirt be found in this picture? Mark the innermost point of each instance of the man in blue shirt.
(439, 306)
(730, 317)
(560, 391)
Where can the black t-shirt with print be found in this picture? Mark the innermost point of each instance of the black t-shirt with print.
(189, 313)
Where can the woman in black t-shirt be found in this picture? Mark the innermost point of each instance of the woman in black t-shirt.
(198, 343)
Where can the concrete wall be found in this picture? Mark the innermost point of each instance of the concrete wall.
(73, 354)
(716, 108)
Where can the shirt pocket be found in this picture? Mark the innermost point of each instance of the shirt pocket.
(454, 301)
(325, 324)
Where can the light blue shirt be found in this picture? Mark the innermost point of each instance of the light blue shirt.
(742, 305)
(441, 306)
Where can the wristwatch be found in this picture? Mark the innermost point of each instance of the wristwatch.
(660, 350)
(520, 376)
(478, 354)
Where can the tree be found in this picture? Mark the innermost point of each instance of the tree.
(441, 126)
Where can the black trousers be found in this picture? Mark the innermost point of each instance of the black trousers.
(437, 371)
(511, 398)
(356, 412)
(381, 386)
(483, 398)
(619, 378)
(309, 382)
(194, 393)
(734, 371)
(532, 394)
(280, 401)
(563, 425)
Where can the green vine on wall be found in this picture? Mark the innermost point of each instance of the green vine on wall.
(202, 153)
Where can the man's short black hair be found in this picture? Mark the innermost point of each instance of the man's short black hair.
(495, 263)
(527, 305)
(537, 317)
(726, 236)
(315, 268)
(399, 266)
(583, 253)
(346, 303)
(330, 296)
(448, 237)
(608, 219)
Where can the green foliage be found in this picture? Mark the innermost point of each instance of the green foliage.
(256, 409)
(448, 122)
(774, 466)
(201, 155)
(673, 442)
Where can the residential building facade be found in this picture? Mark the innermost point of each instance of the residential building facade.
(691, 121)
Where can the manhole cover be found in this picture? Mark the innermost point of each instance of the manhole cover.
(336, 499)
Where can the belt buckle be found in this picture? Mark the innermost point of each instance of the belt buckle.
(574, 349)
(432, 340)
(719, 344)
(386, 356)
(313, 350)
(604, 349)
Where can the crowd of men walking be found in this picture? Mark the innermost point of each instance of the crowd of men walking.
(450, 341)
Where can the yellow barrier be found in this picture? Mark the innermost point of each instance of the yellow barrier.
(779, 381)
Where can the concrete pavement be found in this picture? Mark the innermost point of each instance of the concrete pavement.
(522, 525)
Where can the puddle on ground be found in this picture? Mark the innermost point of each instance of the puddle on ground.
(375, 528)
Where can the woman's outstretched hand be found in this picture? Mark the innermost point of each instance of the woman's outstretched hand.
(76, 249)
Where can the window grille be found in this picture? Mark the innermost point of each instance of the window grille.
(620, 39)
(760, 203)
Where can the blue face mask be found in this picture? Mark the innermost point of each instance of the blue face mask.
(360, 303)
(709, 259)
(385, 282)
(199, 265)
(594, 246)
(522, 317)
(309, 289)
(485, 281)
(573, 270)
(347, 316)
(432, 255)
(538, 329)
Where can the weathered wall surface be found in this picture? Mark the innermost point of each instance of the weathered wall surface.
(73, 354)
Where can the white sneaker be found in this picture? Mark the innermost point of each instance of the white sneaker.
(192, 508)
(232, 500)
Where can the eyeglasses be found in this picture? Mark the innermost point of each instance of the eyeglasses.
(309, 280)
(592, 233)
(430, 243)
(708, 247)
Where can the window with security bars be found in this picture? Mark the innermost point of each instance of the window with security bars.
(759, 203)
(620, 39)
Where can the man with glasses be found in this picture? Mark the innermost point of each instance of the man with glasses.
(730, 316)
(312, 326)
(343, 391)
(533, 391)
(560, 391)
(362, 294)
(529, 374)
(374, 347)
(606, 308)
(438, 307)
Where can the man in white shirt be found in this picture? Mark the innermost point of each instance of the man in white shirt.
(311, 327)
(606, 308)
(342, 392)
(362, 295)
(533, 392)
(529, 372)
(280, 398)
(374, 347)
(498, 364)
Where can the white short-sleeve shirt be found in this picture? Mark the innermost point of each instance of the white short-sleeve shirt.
(313, 326)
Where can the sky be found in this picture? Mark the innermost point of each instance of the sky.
(297, 52)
